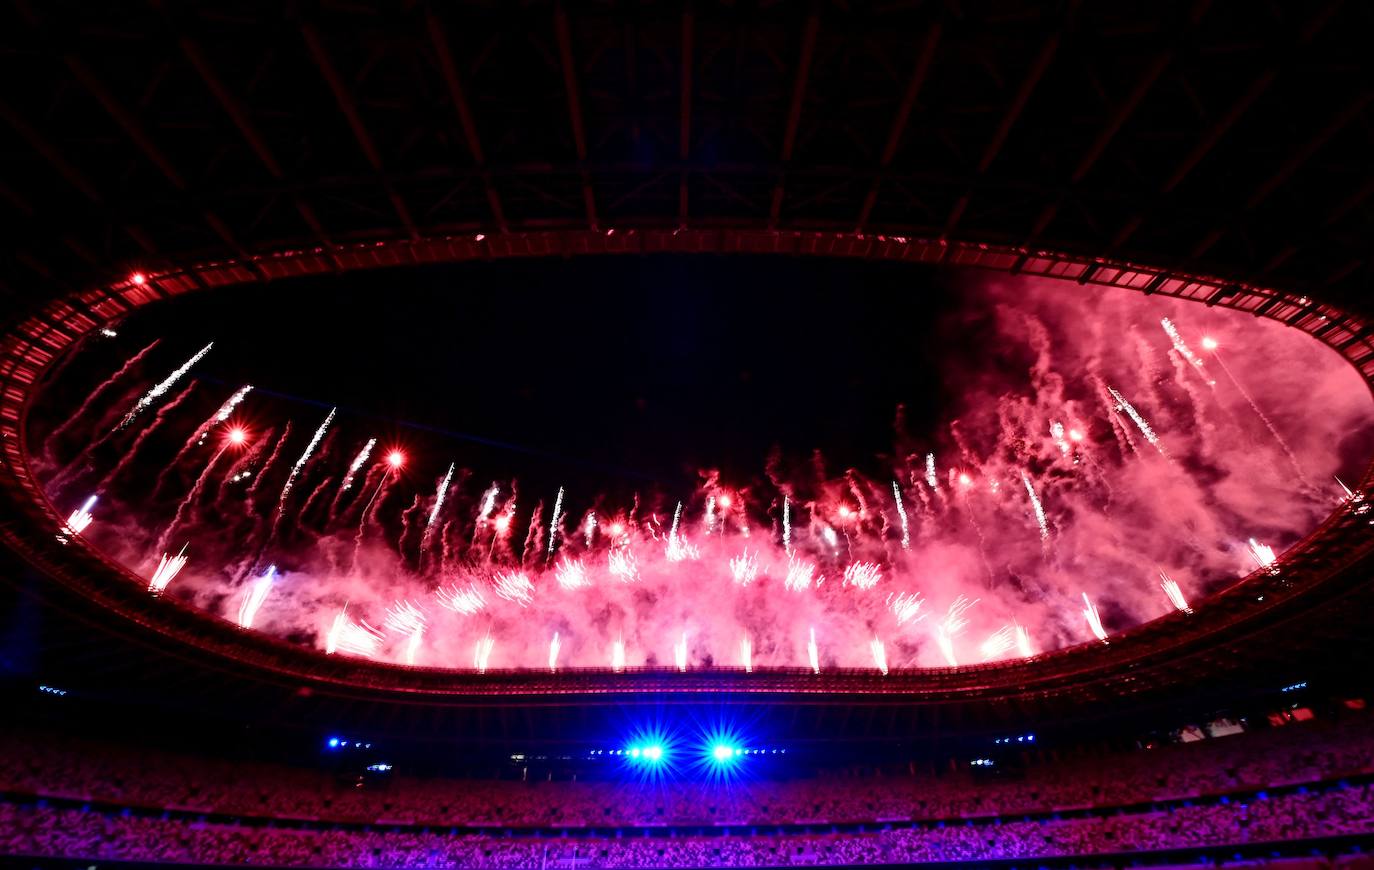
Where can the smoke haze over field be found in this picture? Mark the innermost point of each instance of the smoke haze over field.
(1041, 440)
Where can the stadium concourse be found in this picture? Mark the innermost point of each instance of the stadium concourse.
(683, 434)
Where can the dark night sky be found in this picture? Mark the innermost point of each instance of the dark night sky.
(617, 373)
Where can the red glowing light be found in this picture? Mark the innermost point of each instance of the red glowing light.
(845, 512)
(1075, 435)
(724, 501)
(395, 459)
(237, 435)
(1209, 343)
(138, 278)
(502, 522)
(965, 480)
(617, 529)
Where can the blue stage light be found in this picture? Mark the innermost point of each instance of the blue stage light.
(333, 743)
(722, 752)
(653, 753)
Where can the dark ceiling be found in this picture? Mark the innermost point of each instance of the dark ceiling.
(1229, 137)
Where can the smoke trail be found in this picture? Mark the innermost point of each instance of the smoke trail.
(190, 499)
(156, 392)
(1264, 418)
(1186, 352)
(158, 420)
(353, 467)
(198, 437)
(99, 391)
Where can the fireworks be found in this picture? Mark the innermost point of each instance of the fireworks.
(352, 638)
(1140, 422)
(744, 568)
(482, 654)
(80, 518)
(1175, 594)
(999, 642)
(1023, 642)
(746, 655)
(862, 575)
(513, 586)
(222, 414)
(465, 600)
(679, 549)
(618, 656)
(951, 626)
(572, 574)
(787, 524)
(438, 502)
(1057, 433)
(304, 458)
(1186, 352)
(255, 596)
(356, 464)
(554, 646)
(1037, 508)
(801, 574)
(813, 653)
(680, 653)
(901, 514)
(553, 520)
(622, 565)
(879, 655)
(906, 606)
(710, 514)
(488, 503)
(1262, 554)
(403, 617)
(167, 568)
(931, 479)
(1094, 619)
(946, 646)
(589, 528)
(148, 398)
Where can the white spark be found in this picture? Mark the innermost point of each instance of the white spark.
(621, 563)
(466, 601)
(710, 514)
(1140, 422)
(439, 496)
(413, 646)
(1186, 352)
(572, 574)
(554, 646)
(80, 518)
(354, 638)
(744, 568)
(801, 574)
(618, 656)
(679, 549)
(901, 514)
(906, 606)
(223, 413)
(1175, 594)
(488, 503)
(813, 653)
(1023, 642)
(1057, 433)
(305, 457)
(951, 626)
(404, 617)
(864, 575)
(946, 645)
(589, 528)
(746, 655)
(356, 464)
(831, 538)
(254, 597)
(482, 654)
(157, 391)
(167, 568)
(553, 521)
(680, 653)
(999, 642)
(787, 525)
(879, 655)
(931, 478)
(513, 586)
(1263, 554)
(1094, 619)
(1037, 507)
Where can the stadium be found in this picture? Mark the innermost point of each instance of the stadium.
(687, 435)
